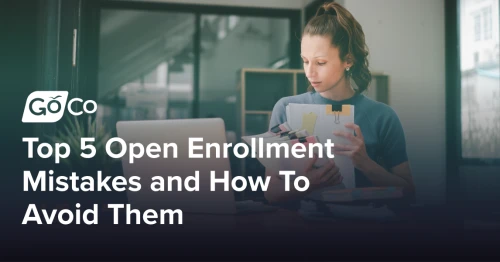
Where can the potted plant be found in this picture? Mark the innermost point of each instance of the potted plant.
(71, 132)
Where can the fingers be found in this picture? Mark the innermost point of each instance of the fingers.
(356, 129)
(327, 167)
(328, 172)
(343, 153)
(333, 177)
(348, 136)
(340, 147)
(310, 164)
(337, 179)
(320, 172)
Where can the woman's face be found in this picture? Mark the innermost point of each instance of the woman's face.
(322, 63)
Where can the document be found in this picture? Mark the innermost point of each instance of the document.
(322, 121)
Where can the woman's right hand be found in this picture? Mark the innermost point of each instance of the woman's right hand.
(327, 175)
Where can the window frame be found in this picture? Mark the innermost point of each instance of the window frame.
(477, 27)
(453, 95)
(454, 159)
(92, 22)
(488, 23)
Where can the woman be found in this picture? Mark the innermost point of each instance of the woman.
(334, 53)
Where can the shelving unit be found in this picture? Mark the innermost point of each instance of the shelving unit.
(261, 89)
(379, 88)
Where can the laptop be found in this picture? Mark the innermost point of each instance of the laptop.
(166, 133)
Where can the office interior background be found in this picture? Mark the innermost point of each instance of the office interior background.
(171, 59)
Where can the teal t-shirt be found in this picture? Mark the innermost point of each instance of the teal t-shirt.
(383, 133)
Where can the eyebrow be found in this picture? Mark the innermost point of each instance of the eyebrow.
(315, 56)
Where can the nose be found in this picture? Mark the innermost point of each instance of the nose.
(309, 70)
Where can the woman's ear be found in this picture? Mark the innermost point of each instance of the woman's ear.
(349, 60)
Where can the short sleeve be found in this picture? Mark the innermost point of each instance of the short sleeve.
(393, 140)
(278, 116)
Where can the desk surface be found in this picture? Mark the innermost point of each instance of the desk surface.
(283, 232)
(421, 233)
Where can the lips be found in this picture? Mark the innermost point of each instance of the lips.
(315, 83)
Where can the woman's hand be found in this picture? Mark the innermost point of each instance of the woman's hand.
(356, 151)
(327, 175)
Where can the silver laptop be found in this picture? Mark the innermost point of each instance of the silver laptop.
(178, 131)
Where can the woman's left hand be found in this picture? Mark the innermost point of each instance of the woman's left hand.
(357, 150)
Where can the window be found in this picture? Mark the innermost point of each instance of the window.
(479, 82)
(472, 105)
(477, 27)
(487, 23)
(482, 20)
(233, 21)
(248, 41)
(162, 61)
(145, 66)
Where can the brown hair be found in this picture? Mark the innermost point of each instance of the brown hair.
(335, 21)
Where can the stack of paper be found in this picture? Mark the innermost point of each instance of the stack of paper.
(310, 123)
(322, 121)
(276, 158)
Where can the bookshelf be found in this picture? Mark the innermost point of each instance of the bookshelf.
(379, 88)
(260, 90)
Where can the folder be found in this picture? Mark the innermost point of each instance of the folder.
(273, 132)
(289, 137)
(300, 164)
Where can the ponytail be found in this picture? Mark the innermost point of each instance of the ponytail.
(336, 22)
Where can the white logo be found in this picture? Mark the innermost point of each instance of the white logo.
(49, 106)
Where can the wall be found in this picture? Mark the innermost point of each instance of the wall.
(406, 41)
(480, 183)
(282, 4)
(20, 74)
(220, 67)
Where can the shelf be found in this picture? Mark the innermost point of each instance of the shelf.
(274, 71)
(263, 90)
(258, 112)
(301, 82)
(260, 89)
(257, 123)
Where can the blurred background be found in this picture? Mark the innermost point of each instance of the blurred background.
(436, 62)
(147, 62)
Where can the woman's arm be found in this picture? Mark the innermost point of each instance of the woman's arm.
(400, 175)
(276, 191)
(327, 175)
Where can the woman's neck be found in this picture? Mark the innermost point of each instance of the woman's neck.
(340, 91)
